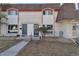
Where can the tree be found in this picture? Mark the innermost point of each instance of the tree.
(2, 16)
(43, 31)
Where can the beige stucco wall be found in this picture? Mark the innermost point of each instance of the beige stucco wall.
(67, 26)
(57, 29)
(12, 19)
(56, 24)
(30, 17)
(48, 19)
(67, 29)
(77, 29)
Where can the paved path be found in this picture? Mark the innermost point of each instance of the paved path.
(14, 49)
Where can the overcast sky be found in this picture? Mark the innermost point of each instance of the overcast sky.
(39, 1)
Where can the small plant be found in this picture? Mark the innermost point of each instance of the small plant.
(2, 15)
(43, 31)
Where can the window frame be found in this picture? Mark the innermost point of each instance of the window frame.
(12, 10)
(10, 30)
(49, 31)
(50, 27)
(47, 12)
(36, 32)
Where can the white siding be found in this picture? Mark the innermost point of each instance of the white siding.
(30, 17)
(48, 19)
(77, 29)
(30, 29)
(12, 19)
(67, 30)
(57, 29)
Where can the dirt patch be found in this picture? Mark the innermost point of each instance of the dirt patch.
(49, 48)
(5, 44)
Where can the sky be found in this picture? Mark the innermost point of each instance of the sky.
(39, 1)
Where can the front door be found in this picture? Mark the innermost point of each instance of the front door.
(36, 32)
(61, 33)
(24, 29)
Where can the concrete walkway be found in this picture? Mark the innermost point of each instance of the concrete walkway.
(14, 49)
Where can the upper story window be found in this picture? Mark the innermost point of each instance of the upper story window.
(50, 27)
(47, 12)
(12, 12)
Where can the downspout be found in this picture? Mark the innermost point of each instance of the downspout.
(0, 26)
(18, 22)
(54, 23)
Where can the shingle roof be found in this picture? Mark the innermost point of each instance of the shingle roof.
(67, 11)
(77, 15)
(31, 6)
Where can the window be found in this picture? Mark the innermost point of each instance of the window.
(49, 31)
(12, 12)
(47, 12)
(61, 33)
(12, 29)
(36, 32)
(50, 27)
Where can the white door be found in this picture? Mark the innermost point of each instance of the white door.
(30, 29)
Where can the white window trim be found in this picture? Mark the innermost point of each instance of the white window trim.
(11, 31)
(49, 9)
(10, 9)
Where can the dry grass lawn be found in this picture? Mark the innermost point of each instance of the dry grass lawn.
(49, 48)
(5, 44)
